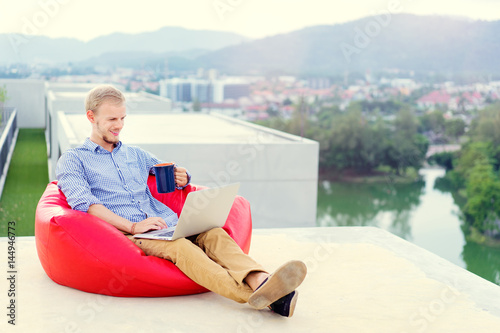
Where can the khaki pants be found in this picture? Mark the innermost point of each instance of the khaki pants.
(212, 259)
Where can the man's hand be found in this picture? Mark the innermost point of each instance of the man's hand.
(181, 177)
(151, 223)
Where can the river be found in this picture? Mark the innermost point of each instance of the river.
(417, 212)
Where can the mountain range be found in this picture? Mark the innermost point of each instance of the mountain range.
(403, 41)
(408, 42)
(29, 49)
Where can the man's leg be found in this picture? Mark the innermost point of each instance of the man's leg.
(215, 261)
(221, 248)
(193, 262)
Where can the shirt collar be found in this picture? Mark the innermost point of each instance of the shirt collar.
(94, 147)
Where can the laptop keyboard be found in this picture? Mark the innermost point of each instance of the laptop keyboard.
(166, 233)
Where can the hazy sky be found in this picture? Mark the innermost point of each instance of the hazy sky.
(87, 19)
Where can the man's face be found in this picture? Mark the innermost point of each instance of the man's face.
(107, 123)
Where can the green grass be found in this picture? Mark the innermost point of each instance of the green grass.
(26, 180)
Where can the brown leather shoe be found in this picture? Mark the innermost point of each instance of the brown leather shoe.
(281, 283)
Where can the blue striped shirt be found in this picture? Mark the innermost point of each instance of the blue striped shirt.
(89, 174)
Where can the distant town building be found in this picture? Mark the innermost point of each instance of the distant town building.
(466, 100)
(434, 98)
(233, 89)
(204, 90)
(319, 83)
(177, 90)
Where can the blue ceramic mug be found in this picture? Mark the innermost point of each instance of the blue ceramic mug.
(165, 179)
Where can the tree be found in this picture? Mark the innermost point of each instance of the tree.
(272, 111)
(474, 171)
(433, 121)
(386, 107)
(297, 124)
(444, 159)
(482, 209)
(469, 155)
(486, 128)
(406, 123)
(454, 128)
(350, 141)
(406, 148)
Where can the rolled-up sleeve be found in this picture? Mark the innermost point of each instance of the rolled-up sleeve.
(72, 182)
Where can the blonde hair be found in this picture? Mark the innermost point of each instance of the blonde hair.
(103, 94)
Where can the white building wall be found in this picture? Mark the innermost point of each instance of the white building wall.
(28, 97)
(279, 180)
(163, 88)
(218, 91)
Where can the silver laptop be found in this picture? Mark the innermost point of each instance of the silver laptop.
(203, 210)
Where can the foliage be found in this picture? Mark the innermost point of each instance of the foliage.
(386, 107)
(475, 172)
(433, 121)
(351, 141)
(3, 98)
(471, 154)
(482, 210)
(444, 159)
(454, 128)
(3, 95)
(445, 129)
(486, 128)
(407, 148)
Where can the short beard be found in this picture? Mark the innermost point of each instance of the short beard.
(109, 141)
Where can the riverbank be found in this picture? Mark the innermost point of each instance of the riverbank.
(482, 239)
(381, 175)
(490, 237)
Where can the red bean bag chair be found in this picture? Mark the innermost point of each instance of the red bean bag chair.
(82, 251)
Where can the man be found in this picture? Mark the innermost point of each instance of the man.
(108, 179)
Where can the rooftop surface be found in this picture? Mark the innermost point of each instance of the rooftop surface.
(70, 98)
(181, 128)
(360, 279)
(81, 95)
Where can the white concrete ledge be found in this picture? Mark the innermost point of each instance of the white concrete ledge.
(361, 279)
